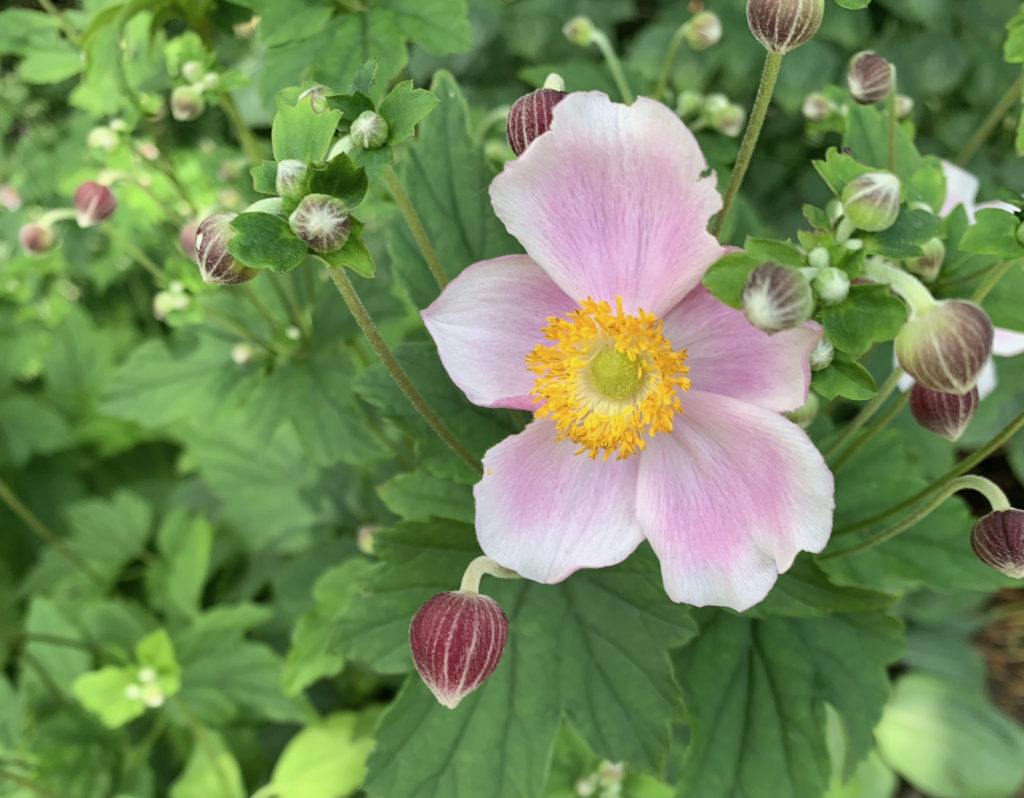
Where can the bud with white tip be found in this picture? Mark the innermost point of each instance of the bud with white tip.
(187, 103)
(871, 201)
(945, 414)
(369, 130)
(777, 297)
(530, 117)
(782, 25)
(869, 77)
(704, 30)
(822, 354)
(832, 285)
(321, 221)
(728, 120)
(291, 179)
(94, 203)
(818, 258)
(216, 263)
(946, 346)
(998, 540)
(933, 253)
(816, 106)
(193, 71)
(904, 106)
(689, 103)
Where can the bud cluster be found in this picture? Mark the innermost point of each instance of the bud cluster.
(187, 100)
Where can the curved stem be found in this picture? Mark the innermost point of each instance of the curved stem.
(866, 412)
(250, 144)
(997, 274)
(476, 570)
(668, 60)
(984, 486)
(605, 46)
(988, 125)
(871, 431)
(415, 226)
(770, 73)
(398, 374)
(137, 255)
(918, 298)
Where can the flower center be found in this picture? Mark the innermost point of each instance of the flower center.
(610, 380)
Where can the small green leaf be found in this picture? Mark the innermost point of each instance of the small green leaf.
(994, 232)
(727, 276)
(904, 238)
(403, 108)
(340, 178)
(844, 376)
(211, 771)
(105, 693)
(838, 169)
(1013, 47)
(300, 132)
(365, 76)
(156, 651)
(265, 241)
(264, 177)
(766, 249)
(870, 313)
(354, 255)
(420, 497)
(175, 581)
(853, 4)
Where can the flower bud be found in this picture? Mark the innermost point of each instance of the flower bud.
(904, 106)
(94, 203)
(777, 297)
(928, 265)
(689, 103)
(998, 540)
(869, 77)
(321, 221)
(832, 285)
(822, 354)
(872, 201)
(803, 416)
(187, 239)
(579, 31)
(704, 30)
(210, 81)
(241, 353)
(216, 263)
(36, 239)
(167, 302)
(187, 103)
(103, 138)
(457, 640)
(193, 71)
(729, 120)
(369, 130)
(291, 178)
(317, 98)
(818, 258)
(10, 197)
(781, 25)
(944, 348)
(945, 414)
(816, 106)
(530, 117)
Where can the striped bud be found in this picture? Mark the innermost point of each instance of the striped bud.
(782, 25)
(457, 640)
(530, 116)
(945, 414)
(321, 221)
(869, 77)
(945, 348)
(216, 263)
(871, 201)
(777, 297)
(929, 264)
(998, 540)
(36, 239)
(94, 203)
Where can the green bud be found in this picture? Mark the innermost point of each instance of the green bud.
(832, 285)
(818, 258)
(187, 103)
(369, 131)
(777, 297)
(704, 30)
(321, 221)
(193, 71)
(580, 31)
(872, 201)
(689, 103)
(816, 106)
(803, 416)
(291, 181)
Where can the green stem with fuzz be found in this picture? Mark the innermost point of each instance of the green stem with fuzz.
(866, 412)
(668, 60)
(415, 226)
(614, 65)
(769, 75)
(996, 115)
(476, 570)
(918, 298)
(984, 486)
(398, 374)
(890, 107)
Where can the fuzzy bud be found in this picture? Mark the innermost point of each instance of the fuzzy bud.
(36, 239)
(872, 201)
(777, 297)
(818, 258)
(530, 117)
(321, 221)
(869, 77)
(933, 253)
(291, 178)
(782, 25)
(998, 540)
(704, 30)
(945, 414)
(103, 138)
(457, 640)
(369, 130)
(216, 263)
(689, 103)
(816, 107)
(728, 120)
(832, 285)
(945, 347)
(193, 71)
(822, 354)
(187, 103)
(94, 203)
(579, 31)
(904, 106)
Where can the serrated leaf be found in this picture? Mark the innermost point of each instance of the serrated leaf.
(766, 249)
(844, 376)
(994, 232)
(420, 497)
(29, 426)
(727, 276)
(354, 255)
(265, 241)
(867, 136)
(264, 178)
(300, 132)
(211, 771)
(904, 238)
(441, 26)
(403, 108)
(870, 313)
(838, 169)
(340, 178)
(105, 693)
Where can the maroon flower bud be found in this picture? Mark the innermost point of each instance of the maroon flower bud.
(457, 640)
(93, 203)
(781, 25)
(36, 239)
(321, 221)
(944, 348)
(777, 297)
(869, 77)
(530, 116)
(187, 239)
(998, 540)
(216, 263)
(945, 414)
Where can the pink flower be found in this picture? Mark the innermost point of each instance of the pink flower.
(656, 406)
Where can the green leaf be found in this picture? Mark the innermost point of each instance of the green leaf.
(867, 136)
(1013, 47)
(403, 108)
(24, 30)
(264, 178)
(29, 426)
(281, 23)
(58, 62)
(994, 232)
(156, 651)
(340, 178)
(354, 255)
(950, 742)
(853, 4)
(211, 771)
(870, 313)
(727, 276)
(805, 591)
(766, 249)
(105, 693)
(174, 582)
(300, 132)
(904, 238)
(441, 26)
(420, 497)
(265, 241)
(62, 664)
(756, 693)
(844, 376)
(838, 169)
(870, 777)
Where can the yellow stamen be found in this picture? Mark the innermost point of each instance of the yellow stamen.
(609, 378)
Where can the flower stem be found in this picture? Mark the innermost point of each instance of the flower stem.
(415, 226)
(866, 412)
(668, 60)
(984, 486)
(276, 327)
(770, 73)
(250, 144)
(614, 65)
(918, 298)
(398, 374)
(988, 125)
(997, 274)
(136, 254)
(476, 570)
(890, 105)
(871, 431)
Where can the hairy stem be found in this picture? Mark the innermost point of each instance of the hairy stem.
(995, 116)
(415, 226)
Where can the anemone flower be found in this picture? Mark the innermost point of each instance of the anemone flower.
(656, 407)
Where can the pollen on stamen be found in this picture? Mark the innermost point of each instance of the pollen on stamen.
(614, 408)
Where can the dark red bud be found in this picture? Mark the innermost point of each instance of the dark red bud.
(36, 239)
(216, 263)
(945, 414)
(530, 116)
(457, 640)
(94, 203)
(998, 540)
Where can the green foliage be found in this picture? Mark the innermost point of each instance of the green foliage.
(265, 241)
(869, 314)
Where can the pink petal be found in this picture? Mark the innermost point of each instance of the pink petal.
(610, 202)
(961, 189)
(545, 512)
(487, 320)
(729, 498)
(729, 356)
(1007, 343)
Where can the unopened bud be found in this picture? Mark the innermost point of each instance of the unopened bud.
(777, 297)
(102, 138)
(904, 106)
(210, 81)
(94, 203)
(729, 120)
(816, 106)
(781, 25)
(822, 354)
(187, 103)
(241, 353)
(193, 71)
(818, 258)
(216, 263)
(689, 103)
(998, 540)
(945, 414)
(530, 117)
(803, 416)
(869, 77)
(167, 302)
(928, 265)
(871, 201)
(36, 239)
(321, 221)
(291, 178)
(704, 30)
(579, 31)
(317, 95)
(457, 640)
(369, 130)
(187, 239)
(945, 347)
(832, 285)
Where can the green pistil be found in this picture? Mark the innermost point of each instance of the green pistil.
(614, 374)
